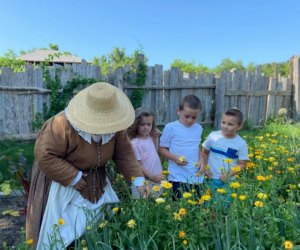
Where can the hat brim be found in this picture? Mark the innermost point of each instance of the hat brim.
(90, 121)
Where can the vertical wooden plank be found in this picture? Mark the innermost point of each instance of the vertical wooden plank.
(166, 97)
(175, 94)
(235, 75)
(158, 101)
(271, 102)
(147, 101)
(220, 99)
(242, 101)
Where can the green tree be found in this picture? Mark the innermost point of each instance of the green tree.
(189, 67)
(116, 58)
(10, 60)
(53, 46)
(227, 64)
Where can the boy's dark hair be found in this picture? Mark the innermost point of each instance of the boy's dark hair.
(139, 114)
(190, 101)
(236, 113)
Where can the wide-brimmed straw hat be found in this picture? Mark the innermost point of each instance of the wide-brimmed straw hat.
(100, 109)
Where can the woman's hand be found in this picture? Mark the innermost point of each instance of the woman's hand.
(144, 191)
(81, 184)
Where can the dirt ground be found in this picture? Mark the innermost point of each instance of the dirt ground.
(10, 226)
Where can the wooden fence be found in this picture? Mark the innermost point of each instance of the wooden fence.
(22, 94)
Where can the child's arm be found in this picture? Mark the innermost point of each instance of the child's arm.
(204, 161)
(168, 155)
(155, 135)
(241, 164)
(152, 177)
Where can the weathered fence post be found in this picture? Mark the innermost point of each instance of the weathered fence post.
(295, 75)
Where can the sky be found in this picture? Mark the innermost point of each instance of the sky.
(199, 31)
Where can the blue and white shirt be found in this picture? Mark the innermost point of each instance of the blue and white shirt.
(222, 148)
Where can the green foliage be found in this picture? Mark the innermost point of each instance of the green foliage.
(15, 158)
(60, 98)
(228, 64)
(10, 60)
(190, 67)
(116, 58)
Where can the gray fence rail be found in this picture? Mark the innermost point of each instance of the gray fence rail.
(23, 94)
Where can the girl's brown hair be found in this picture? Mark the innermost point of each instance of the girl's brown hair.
(141, 112)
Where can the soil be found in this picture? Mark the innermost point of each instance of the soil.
(10, 226)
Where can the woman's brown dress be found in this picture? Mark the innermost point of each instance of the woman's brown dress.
(60, 153)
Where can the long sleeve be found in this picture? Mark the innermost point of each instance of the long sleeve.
(51, 151)
(124, 157)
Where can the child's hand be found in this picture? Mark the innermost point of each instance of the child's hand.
(224, 178)
(180, 160)
(158, 178)
(156, 133)
(81, 184)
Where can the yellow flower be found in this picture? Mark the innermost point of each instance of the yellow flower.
(165, 172)
(228, 160)
(160, 200)
(290, 159)
(262, 196)
(221, 190)
(260, 178)
(156, 188)
(192, 202)
(166, 184)
(60, 221)
(186, 195)
(196, 164)
(235, 185)
(181, 234)
(288, 244)
(250, 155)
(103, 224)
(83, 242)
(29, 242)
(258, 204)
(132, 178)
(233, 195)
(182, 211)
(242, 197)
(176, 216)
(236, 169)
(275, 163)
(181, 158)
(206, 197)
(184, 242)
(207, 167)
(116, 209)
(88, 228)
(131, 223)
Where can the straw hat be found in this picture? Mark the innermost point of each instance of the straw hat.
(100, 109)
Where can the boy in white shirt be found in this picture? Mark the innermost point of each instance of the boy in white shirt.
(179, 143)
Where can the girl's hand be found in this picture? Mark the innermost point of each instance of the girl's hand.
(81, 184)
(158, 178)
(156, 133)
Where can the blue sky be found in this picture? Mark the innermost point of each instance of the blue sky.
(200, 31)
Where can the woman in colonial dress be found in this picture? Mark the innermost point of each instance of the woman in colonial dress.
(69, 182)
